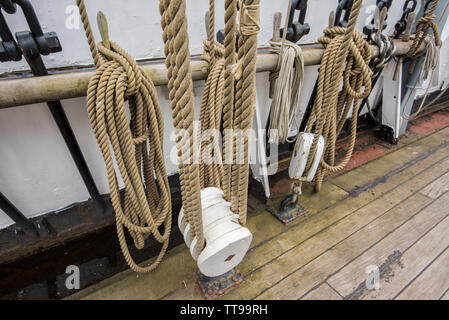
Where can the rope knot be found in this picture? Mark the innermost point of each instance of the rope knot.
(126, 62)
(249, 19)
(215, 47)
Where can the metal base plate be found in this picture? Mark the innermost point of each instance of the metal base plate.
(290, 213)
(214, 287)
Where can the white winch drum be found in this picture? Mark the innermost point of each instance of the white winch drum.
(301, 152)
(209, 197)
(226, 240)
(225, 253)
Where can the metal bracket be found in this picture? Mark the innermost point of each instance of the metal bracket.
(31, 45)
(373, 27)
(213, 287)
(46, 43)
(289, 210)
(341, 20)
(401, 25)
(297, 29)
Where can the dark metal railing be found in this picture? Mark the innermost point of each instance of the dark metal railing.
(32, 45)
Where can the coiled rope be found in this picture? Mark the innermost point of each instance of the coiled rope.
(290, 77)
(422, 30)
(346, 56)
(136, 146)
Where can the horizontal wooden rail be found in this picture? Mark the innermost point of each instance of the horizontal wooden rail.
(28, 90)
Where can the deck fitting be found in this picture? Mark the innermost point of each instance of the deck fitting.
(289, 213)
(213, 287)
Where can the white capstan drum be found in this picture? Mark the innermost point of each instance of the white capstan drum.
(300, 155)
(226, 240)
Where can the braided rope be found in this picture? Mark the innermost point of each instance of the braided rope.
(422, 30)
(174, 25)
(243, 117)
(228, 103)
(211, 168)
(137, 148)
(347, 56)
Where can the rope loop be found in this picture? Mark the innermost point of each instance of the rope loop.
(127, 62)
(347, 56)
(425, 23)
(359, 52)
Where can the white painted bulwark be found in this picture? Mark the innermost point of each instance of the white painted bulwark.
(36, 171)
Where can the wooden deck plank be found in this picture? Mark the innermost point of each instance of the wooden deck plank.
(177, 268)
(304, 279)
(446, 295)
(258, 281)
(432, 283)
(323, 292)
(347, 280)
(272, 249)
(437, 188)
(371, 170)
(180, 266)
(396, 273)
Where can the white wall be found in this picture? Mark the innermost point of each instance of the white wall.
(36, 170)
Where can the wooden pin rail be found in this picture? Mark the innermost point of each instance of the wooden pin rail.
(29, 90)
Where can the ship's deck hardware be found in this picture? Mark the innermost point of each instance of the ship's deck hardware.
(228, 251)
(31, 45)
(214, 287)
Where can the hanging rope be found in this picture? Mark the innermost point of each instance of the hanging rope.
(229, 96)
(422, 30)
(180, 85)
(346, 56)
(430, 63)
(136, 145)
(289, 77)
(285, 104)
(211, 168)
(238, 111)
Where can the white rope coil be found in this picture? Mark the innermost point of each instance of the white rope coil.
(290, 79)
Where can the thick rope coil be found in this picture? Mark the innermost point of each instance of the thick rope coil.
(136, 146)
(347, 56)
(180, 85)
(422, 30)
(290, 78)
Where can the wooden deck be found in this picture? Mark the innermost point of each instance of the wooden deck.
(388, 218)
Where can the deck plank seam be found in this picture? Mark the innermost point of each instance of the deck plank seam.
(393, 172)
(420, 273)
(374, 244)
(444, 293)
(335, 290)
(331, 225)
(288, 228)
(330, 248)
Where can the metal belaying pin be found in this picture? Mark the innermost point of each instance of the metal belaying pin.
(103, 28)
